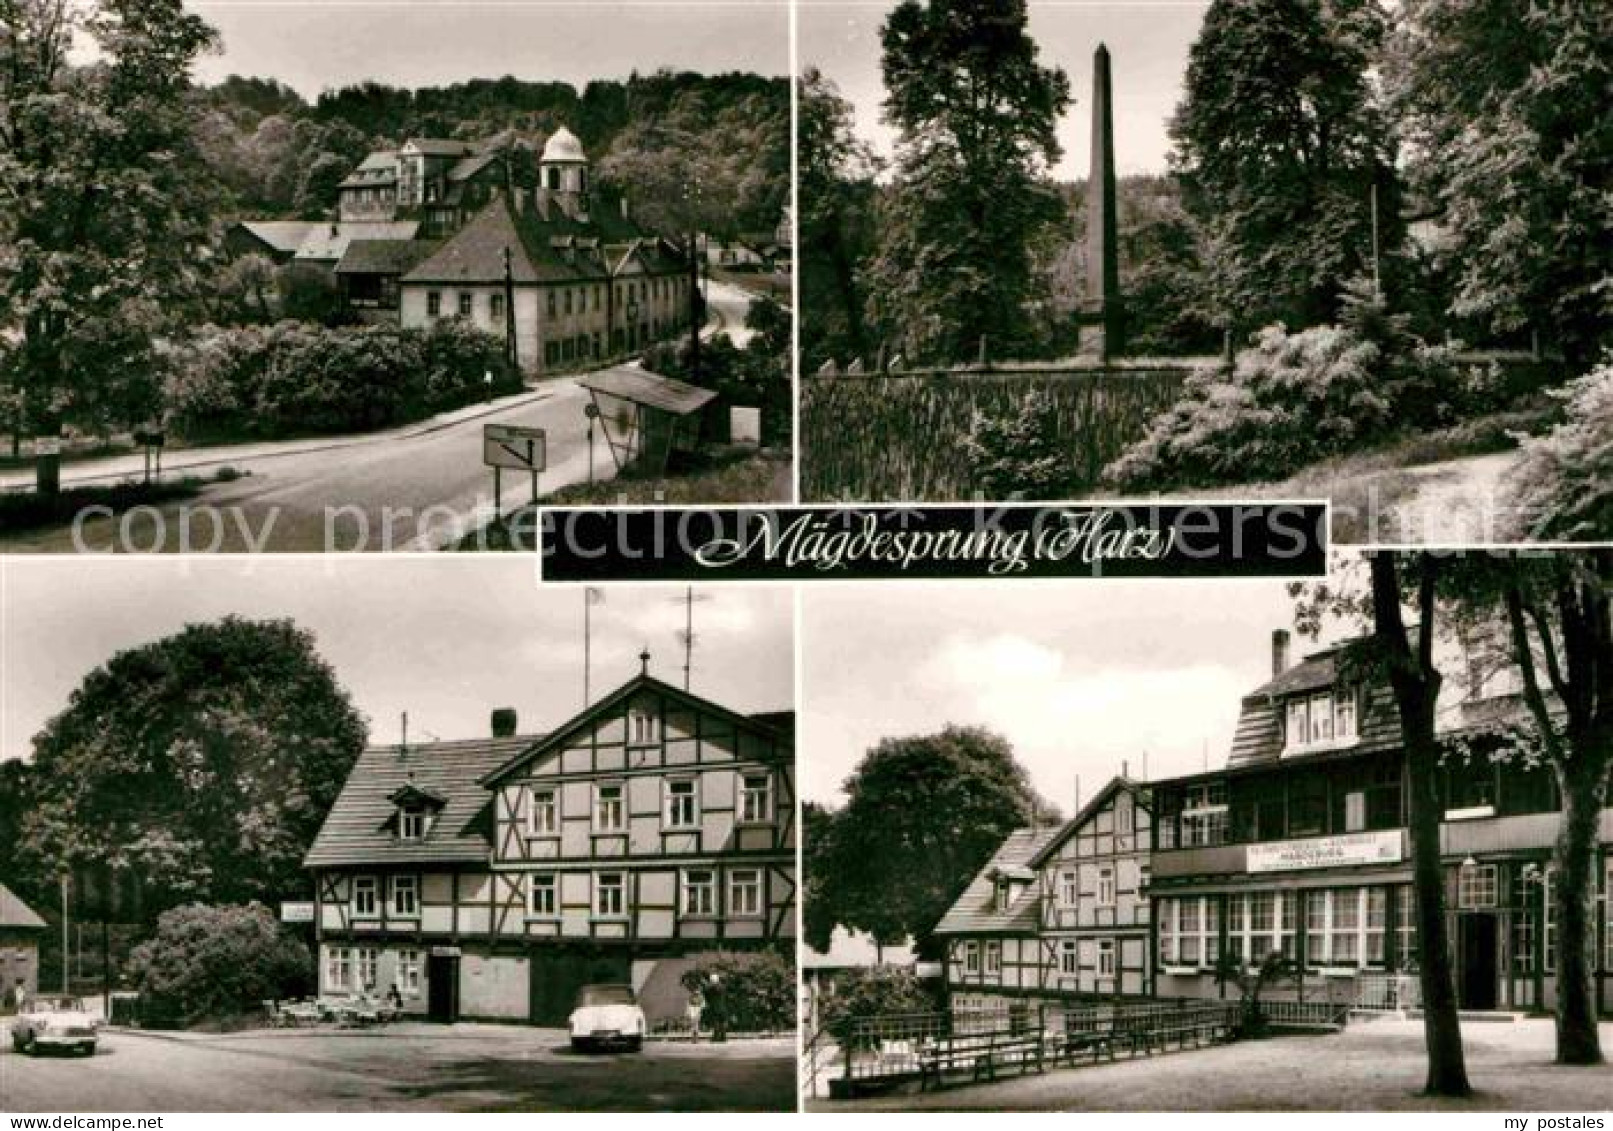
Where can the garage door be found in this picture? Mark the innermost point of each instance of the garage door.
(558, 975)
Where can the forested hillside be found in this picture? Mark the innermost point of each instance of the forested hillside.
(272, 153)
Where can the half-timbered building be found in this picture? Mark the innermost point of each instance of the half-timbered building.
(1057, 912)
(493, 878)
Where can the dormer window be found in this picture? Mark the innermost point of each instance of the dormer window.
(413, 823)
(1321, 720)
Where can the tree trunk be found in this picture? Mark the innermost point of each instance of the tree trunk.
(1442, 1030)
(1416, 681)
(1573, 893)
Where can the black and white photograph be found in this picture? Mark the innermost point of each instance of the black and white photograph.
(1237, 248)
(393, 834)
(1343, 845)
(383, 276)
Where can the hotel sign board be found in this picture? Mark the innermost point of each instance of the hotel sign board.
(1325, 852)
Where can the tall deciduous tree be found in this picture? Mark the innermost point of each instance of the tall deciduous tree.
(102, 212)
(923, 815)
(201, 764)
(977, 117)
(836, 195)
(1278, 147)
(1504, 109)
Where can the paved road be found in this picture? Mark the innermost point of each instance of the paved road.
(415, 488)
(403, 1068)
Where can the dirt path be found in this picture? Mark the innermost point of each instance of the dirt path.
(1457, 502)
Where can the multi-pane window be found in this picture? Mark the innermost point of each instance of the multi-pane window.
(641, 728)
(745, 892)
(1204, 816)
(1476, 886)
(366, 899)
(1548, 938)
(1346, 926)
(1261, 922)
(338, 968)
(681, 812)
(433, 303)
(1405, 927)
(1377, 918)
(1321, 719)
(1607, 914)
(756, 798)
(409, 972)
(1069, 957)
(994, 957)
(1524, 893)
(543, 895)
(495, 307)
(405, 896)
(610, 895)
(1189, 931)
(700, 892)
(971, 958)
(1106, 886)
(1069, 888)
(609, 815)
(413, 823)
(369, 967)
(543, 817)
(1106, 958)
(549, 304)
(465, 300)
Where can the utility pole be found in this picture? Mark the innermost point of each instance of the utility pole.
(696, 302)
(511, 349)
(65, 937)
(590, 598)
(686, 637)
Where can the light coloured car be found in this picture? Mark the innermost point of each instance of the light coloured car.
(55, 1023)
(607, 1016)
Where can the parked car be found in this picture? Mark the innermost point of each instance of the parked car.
(607, 1016)
(55, 1023)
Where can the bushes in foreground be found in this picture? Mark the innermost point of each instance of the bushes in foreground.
(294, 378)
(211, 962)
(879, 991)
(744, 992)
(1295, 398)
(1563, 488)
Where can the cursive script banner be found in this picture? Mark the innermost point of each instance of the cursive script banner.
(935, 542)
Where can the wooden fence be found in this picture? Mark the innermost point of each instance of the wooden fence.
(899, 436)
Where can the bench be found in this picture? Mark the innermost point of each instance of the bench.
(980, 1055)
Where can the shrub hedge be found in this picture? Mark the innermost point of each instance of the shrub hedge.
(754, 991)
(296, 378)
(1563, 488)
(211, 962)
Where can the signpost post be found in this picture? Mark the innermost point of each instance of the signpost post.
(591, 410)
(520, 449)
(152, 441)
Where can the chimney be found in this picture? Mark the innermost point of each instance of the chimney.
(1279, 652)
(504, 719)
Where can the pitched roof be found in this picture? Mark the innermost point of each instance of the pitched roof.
(358, 828)
(470, 166)
(546, 244)
(329, 240)
(383, 257)
(1259, 734)
(640, 386)
(15, 913)
(378, 168)
(1068, 829)
(975, 911)
(641, 682)
(440, 146)
(282, 235)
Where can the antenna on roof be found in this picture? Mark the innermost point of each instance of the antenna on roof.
(404, 743)
(1077, 808)
(686, 635)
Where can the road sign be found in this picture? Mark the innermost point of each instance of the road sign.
(505, 445)
(296, 912)
(150, 438)
(48, 446)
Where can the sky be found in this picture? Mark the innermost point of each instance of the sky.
(447, 639)
(1081, 678)
(1148, 43)
(312, 45)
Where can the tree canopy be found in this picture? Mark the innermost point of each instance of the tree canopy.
(970, 202)
(923, 814)
(201, 765)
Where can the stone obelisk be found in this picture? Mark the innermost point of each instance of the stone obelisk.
(1102, 314)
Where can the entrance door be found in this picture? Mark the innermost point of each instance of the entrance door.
(442, 988)
(1479, 950)
(558, 974)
